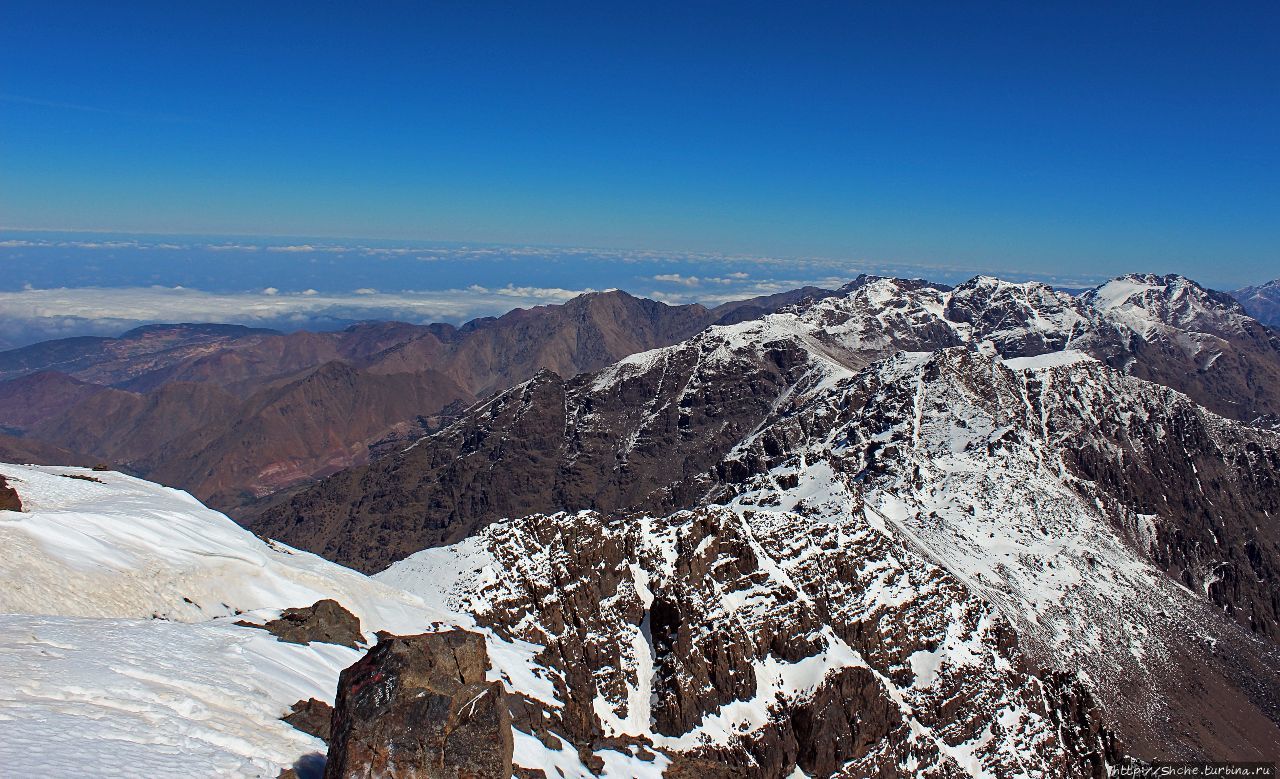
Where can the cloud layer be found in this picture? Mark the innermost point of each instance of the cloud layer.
(31, 315)
(61, 284)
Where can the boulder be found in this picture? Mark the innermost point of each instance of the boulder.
(9, 500)
(311, 717)
(325, 621)
(420, 706)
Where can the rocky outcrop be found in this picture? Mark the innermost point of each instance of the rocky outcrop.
(312, 717)
(1081, 724)
(756, 644)
(9, 500)
(420, 706)
(325, 621)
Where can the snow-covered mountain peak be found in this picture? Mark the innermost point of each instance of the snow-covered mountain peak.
(1148, 303)
(1262, 302)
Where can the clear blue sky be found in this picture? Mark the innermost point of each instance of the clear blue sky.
(1083, 138)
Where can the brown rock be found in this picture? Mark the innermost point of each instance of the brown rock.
(9, 500)
(325, 621)
(312, 717)
(685, 767)
(419, 706)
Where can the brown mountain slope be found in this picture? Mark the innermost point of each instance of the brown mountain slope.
(122, 427)
(307, 428)
(234, 414)
(584, 334)
(114, 360)
(243, 365)
(27, 401)
(28, 450)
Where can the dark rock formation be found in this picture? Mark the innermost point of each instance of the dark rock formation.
(325, 621)
(419, 706)
(312, 717)
(307, 767)
(1081, 725)
(9, 500)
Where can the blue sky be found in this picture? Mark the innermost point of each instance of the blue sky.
(1070, 140)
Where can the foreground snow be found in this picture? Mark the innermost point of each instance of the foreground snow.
(119, 655)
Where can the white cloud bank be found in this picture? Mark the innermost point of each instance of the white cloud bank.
(30, 315)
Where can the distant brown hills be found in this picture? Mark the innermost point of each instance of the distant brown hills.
(234, 414)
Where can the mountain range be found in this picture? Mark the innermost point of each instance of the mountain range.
(894, 529)
(233, 414)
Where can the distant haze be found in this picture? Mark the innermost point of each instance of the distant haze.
(59, 285)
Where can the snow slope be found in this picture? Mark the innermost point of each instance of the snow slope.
(119, 656)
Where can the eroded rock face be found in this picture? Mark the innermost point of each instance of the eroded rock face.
(9, 500)
(758, 645)
(325, 621)
(419, 706)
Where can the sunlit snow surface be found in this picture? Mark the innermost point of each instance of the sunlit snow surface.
(105, 669)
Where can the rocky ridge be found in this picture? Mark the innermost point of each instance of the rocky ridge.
(914, 545)
(645, 432)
